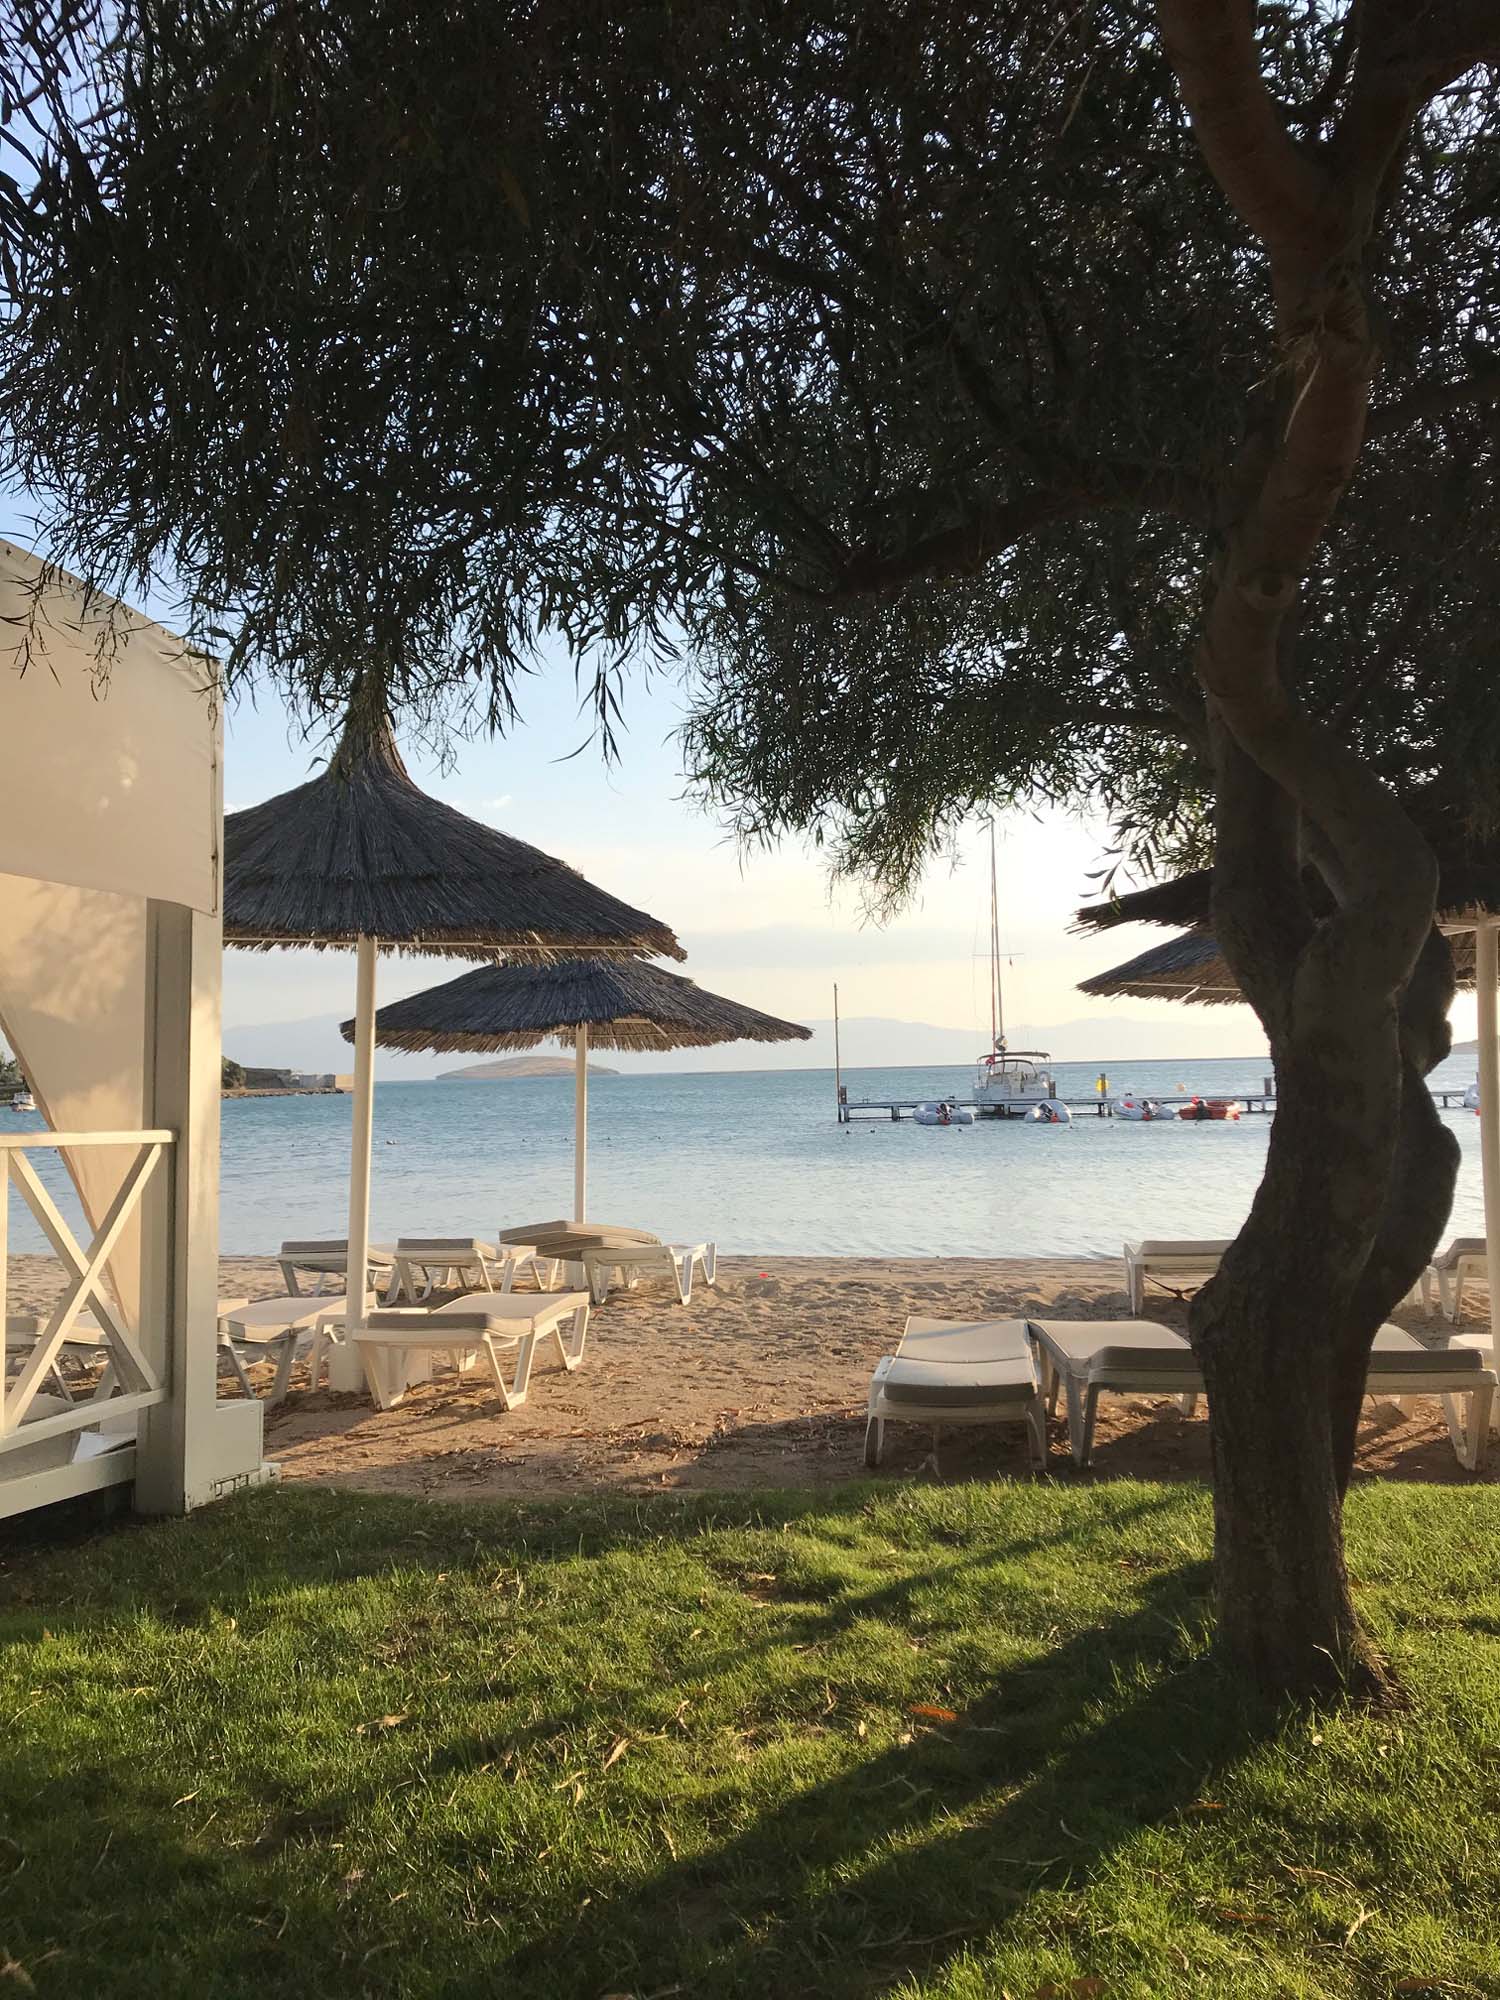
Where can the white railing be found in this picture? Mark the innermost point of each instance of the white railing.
(130, 1380)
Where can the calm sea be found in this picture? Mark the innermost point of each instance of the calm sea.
(757, 1161)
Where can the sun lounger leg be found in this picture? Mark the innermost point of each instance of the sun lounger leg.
(682, 1273)
(874, 1439)
(226, 1346)
(515, 1395)
(711, 1265)
(1469, 1444)
(1080, 1427)
(283, 1378)
(570, 1346)
(1036, 1432)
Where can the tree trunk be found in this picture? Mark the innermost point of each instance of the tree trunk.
(1281, 1354)
(1359, 1178)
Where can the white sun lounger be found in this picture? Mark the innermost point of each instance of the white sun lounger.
(470, 1328)
(1169, 1257)
(85, 1338)
(957, 1372)
(1451, 1270)
(328, 1258)
(1085, 1358)
(645, 1260)
(273, 1330)
(423, 1263)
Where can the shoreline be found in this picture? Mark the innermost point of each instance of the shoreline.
(759, 1382)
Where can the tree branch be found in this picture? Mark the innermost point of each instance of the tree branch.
(1434, 400)
(1277, 189)
(990, 530)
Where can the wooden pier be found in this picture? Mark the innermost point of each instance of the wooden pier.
(1259, 1104)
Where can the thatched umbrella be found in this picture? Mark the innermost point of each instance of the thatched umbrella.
(1192, 969)
(609, 1002)
(361, 858)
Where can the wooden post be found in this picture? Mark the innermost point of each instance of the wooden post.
(183, 1455)
(580, 1122)
(357, 1264)
(838, 1067)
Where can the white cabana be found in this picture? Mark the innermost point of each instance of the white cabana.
(109, 996)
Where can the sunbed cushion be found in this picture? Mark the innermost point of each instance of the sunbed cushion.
(1461, 1246)
(463, 1247)
(969, 1341)
(1092, 1348)
(955, 1385)
(330, 1246)
(1171, 1246)
(1397, 1353)
(568, 1240)
(961, 1364)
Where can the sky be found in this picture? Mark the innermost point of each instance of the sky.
(765, 928)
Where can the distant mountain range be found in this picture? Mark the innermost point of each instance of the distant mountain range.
(516, 1066)
(867, 1041)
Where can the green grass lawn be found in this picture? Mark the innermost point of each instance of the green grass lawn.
(960, 1741)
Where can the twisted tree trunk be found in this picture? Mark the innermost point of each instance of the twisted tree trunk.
(1359, 1171)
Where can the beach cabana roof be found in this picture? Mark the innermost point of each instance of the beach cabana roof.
(622, 1004)
(362, 851)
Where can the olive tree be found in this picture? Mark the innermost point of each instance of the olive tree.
(1089, 401)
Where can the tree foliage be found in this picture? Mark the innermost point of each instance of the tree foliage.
(891, 364)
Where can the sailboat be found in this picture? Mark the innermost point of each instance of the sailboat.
(1008, 1083)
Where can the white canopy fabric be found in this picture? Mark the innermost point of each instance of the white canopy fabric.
(73, 994)
(99, 793)
(109, 728)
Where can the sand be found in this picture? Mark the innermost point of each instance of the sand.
(759, 1382)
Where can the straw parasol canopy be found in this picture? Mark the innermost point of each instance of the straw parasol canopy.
(361, 851)
(1188, 968)
(362, 858)
(623, 1004)
(610, 1003)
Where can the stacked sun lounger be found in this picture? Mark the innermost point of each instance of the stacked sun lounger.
(598, 1252)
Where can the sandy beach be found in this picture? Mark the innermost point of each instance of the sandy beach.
(758, 1382)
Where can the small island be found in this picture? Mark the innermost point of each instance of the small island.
(508, 1067)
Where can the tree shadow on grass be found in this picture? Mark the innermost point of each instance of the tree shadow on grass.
(849, 1888)
(844, 1886)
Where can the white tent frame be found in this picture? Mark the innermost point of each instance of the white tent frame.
(116, 795)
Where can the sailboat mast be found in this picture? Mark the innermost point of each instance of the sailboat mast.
(997, 998)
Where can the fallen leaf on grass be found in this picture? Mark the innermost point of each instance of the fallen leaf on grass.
(380, 1723)
(1242, 1917)
(1088, 1988)
(617, 1751)
(930, 1713)
(12, 1969)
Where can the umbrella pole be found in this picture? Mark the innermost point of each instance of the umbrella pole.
(580, 1121)
(357, 1268)
(1486, 980)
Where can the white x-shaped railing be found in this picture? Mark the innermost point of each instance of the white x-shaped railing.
(128, 1369)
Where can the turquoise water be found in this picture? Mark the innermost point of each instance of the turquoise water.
(757, 1161)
